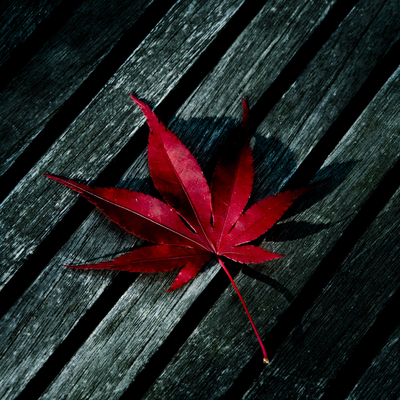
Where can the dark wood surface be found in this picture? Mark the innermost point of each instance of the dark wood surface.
(323, 83)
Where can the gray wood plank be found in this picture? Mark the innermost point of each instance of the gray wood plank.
(56, 282)
(210, 360)
(343, 313)
(38, 91)
(381, 380)
(18, 20)
(97, 135)
(85, 374)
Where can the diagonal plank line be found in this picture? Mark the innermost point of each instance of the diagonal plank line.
(77, 336)
(366, 350)
(165, 102)
(378, 76)
(74, 105)
(76, 215)
(293, 315)
(21, 54)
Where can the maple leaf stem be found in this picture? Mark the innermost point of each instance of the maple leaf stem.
(265, 359)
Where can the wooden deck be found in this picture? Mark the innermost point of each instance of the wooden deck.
(323, 82)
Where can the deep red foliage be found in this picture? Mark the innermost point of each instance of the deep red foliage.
(218, 225)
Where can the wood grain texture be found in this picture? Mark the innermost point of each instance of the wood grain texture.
(29, 316)
(19, 21)
(196, 129)
(341, 316)
(319, 96)
(96, 136)
(49, 79)
(86, 360)
(381, 381)
(219, 343)
(138, 317)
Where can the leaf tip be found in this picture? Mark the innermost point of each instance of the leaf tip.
(172, 288)
(245, 105)
(73, 266)
(55, 178)
(138, 102)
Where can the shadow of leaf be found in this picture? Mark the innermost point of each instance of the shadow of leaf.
(294, 230)
(274, 164)
(269, 281)
(328, 179)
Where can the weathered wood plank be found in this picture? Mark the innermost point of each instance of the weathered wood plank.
(84, 375)
(93, 140)
(381, 380)
(219, 346)
(57, 281)
(344, 312)
(19, 20)
(50, 78)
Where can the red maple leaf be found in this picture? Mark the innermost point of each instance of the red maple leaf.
(216, 225)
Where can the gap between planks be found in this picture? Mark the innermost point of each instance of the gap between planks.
(86, 88)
